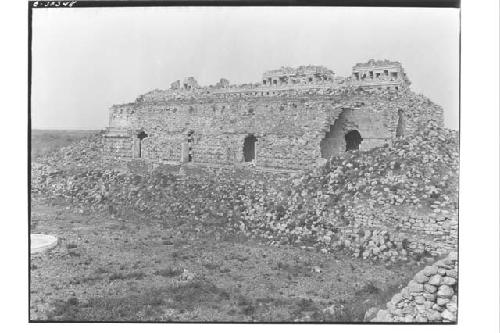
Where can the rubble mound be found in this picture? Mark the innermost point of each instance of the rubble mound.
(389, 203)
(86, 152)
(375, 204)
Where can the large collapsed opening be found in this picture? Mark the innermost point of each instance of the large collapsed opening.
(334, 141)
(249, 148)
(141, 135)
(352, 140)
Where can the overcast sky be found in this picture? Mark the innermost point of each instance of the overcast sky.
(86, 59)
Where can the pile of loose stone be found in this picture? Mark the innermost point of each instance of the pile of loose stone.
(385, 204)
(216, 193)
(431, 296)
(86, 153)
(374, 204)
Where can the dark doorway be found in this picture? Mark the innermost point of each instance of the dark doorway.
(141, 135)
(190, 141)
(400, 130)
(352, 140)
(249, 148)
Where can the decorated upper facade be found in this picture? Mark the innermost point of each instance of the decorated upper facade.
(300, 75)
(372, 75)
(379, 72)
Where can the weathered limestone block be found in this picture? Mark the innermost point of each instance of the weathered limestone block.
(435, 280)
(445, 291)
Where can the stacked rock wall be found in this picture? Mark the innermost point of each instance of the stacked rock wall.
(394, 237)
(431, 296)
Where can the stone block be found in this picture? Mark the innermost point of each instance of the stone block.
(445, 291)
(435, 280)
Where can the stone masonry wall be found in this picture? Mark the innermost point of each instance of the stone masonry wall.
(289, 129)
(118, 147)
(393, 237)
(431, 296)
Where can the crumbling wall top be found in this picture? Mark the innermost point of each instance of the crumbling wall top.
(190, 83)
(379, 72)
(301, 70)
(377, 63)
(289, 81)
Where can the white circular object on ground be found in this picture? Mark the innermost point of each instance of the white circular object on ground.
(41, 242)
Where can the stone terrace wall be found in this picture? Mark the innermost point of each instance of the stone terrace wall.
(289, 130)
(390, 236)
(220, 129)
(430, 297)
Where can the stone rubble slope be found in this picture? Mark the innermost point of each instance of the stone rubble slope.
(372, 203)
(431, 296)
(390, 203)
(86, 152)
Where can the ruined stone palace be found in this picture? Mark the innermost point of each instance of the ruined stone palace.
(294, 118)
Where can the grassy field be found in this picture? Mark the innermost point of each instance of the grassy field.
(46, 141)
(132, 269)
